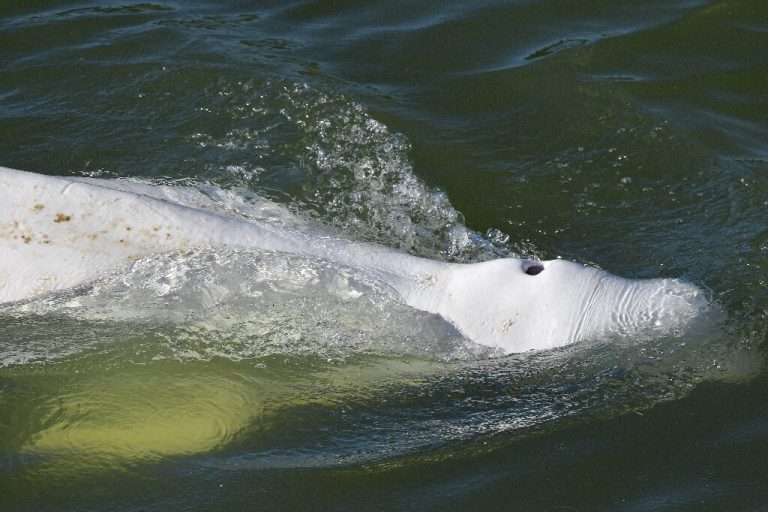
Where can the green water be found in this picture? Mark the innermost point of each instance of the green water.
(628, 136)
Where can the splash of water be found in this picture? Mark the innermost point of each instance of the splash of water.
(235, 303)
(351, 172)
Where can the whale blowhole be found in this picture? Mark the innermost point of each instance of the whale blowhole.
(533, 268)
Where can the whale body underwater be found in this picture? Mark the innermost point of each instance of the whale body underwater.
(60, 232)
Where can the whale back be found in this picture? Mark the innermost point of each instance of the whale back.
(57, 232)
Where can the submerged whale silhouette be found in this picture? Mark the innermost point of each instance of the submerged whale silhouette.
(58, 232)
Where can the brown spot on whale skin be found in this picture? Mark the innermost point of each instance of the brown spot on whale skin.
(127, 228)
(27, 239)
(37, 208)
(60, 217)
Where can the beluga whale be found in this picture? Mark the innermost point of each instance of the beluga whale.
(60, 232)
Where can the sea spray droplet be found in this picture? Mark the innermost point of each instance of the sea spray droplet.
(353, 172)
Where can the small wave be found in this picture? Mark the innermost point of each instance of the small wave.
(231, 303)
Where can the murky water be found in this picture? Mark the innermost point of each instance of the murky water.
(628, 137)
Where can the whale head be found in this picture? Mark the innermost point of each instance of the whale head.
(519, 305)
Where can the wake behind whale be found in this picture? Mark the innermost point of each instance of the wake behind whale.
(57, 233)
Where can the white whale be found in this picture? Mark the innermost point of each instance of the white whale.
(58, 232)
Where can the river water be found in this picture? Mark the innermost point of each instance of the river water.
(627, 136)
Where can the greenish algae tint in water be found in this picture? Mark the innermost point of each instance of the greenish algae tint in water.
(627, 136)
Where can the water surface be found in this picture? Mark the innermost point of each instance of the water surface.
(631, 137)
